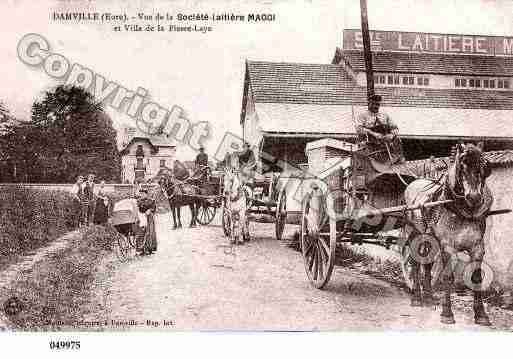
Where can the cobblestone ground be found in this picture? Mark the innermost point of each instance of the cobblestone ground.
(197, 281)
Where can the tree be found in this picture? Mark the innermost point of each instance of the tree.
(72, 135)
(16, 156)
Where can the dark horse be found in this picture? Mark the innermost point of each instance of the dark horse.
(458, 226)
(181, 189)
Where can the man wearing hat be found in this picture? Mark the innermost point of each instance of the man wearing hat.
(201, 164)
(378, 134)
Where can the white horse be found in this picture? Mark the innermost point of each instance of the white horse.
(237, 204)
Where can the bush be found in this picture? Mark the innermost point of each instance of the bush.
(30, 218)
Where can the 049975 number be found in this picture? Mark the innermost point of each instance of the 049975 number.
(65, 345)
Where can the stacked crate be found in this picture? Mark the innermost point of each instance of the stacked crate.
(328, 160)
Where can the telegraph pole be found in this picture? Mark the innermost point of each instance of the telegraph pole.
(367, 54)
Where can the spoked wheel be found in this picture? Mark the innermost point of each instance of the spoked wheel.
(131, 238)
(281, 214)
(122, 248)
(226, 221)
(206, 213)
(318, 249)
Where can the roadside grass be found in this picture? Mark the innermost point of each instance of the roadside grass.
(351, 256)
(31, 218)
(54, 294)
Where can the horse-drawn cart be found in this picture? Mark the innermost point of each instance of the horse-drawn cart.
(261, 201)
(363, 203)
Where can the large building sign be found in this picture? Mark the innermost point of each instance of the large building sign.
(431, 43)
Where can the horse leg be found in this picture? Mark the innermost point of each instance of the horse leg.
(173, 210)
(192, 208)
(416, 299)
(245, 226)
(179, 215)
(427, 292)
(480, 316)
(447, 316)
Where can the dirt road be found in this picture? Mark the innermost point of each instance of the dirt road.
(197, 281)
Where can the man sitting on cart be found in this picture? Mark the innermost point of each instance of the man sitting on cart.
(378, 135)
(201, 164)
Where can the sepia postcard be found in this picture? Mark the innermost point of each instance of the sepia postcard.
(172, 166)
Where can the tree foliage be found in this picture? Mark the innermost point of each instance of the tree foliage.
(69, 135)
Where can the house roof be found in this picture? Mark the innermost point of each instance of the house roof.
(430, 63)
(155, 142)
(413, 122)
(321, 84)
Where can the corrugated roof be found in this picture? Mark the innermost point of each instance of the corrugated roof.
(323, 84)
(432, 63)
(412, 122)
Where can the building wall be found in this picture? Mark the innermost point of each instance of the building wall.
(150, 161)
(499, 244)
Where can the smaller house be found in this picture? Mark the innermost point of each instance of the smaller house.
(143, 156)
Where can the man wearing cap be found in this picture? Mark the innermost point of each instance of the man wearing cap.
(201, 164)
(378, 134)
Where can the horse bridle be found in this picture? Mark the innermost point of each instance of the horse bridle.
(459, 206)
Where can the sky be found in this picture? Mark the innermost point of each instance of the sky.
(204, 73)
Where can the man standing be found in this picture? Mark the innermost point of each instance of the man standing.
(89, 198)
(247, 162)
(378, 134)
(78, 193)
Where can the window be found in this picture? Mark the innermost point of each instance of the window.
(506, 84)
(478, 83)
(390, 80)
(411, 80)
(486, 83)
(492, 84)
(463, 82)
(405, 80)
(426, 81)
(376, 79)
(396, 80)
(471, 83)
(500, 84)
(457, 82)
(162, 163)
(382, 79)
(420, 81)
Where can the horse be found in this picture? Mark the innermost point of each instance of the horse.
(181, 190)
(454, 227)
(236, 198)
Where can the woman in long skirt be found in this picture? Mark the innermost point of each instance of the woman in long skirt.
(147, 207)
(101, 213)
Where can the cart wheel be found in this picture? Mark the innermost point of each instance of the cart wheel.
(406, 268)
(206, 213)
(226, 221)
(318, 249)
(281, 214)
(131, 238)
(123, 248)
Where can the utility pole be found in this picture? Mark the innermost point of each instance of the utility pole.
(367, 54)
